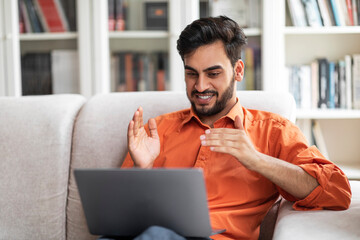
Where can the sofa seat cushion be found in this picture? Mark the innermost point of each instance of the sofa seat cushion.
(324, 224)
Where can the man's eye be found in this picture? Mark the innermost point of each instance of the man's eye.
(191, 74)
(213, 74)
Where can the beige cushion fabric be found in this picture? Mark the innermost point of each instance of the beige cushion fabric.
(100, 133)
(35, 145)
(326, 224)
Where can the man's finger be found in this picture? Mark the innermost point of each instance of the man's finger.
(141, 121)
(130, 133)
(153, 128)
(136, 122)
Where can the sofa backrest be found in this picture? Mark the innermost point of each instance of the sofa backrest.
(35, 146)
(100, 133)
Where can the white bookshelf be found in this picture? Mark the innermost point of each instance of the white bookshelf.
(339, 126)
(281, 45)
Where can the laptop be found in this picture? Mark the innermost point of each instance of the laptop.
(125, 202)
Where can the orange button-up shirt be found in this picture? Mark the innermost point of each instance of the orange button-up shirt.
(239, 198)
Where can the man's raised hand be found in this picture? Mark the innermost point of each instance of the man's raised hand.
(143, 148)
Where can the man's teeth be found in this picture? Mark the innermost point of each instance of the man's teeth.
(204, 97)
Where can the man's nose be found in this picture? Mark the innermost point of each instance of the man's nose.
(202, 83)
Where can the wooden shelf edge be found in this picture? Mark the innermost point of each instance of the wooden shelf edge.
(138, 34)
(47, 36)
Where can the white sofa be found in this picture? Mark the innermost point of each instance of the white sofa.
(44, 138)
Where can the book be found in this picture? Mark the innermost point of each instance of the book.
(336, 11)
(350, 12)
(342, 12)
(325, 13)
(356, 12)
(319, 138)
(314, 84)
(336, 85)
(313, 13)
(297, 13)
(254, 10)
(348, 79)
(33, 17)
(21, 19)
(52, 15)
(129, 79)
(323, 82)
(331, 85)
(36, 74)
(70, 8)
(65, 71)
(249, 75)
(356, 81)
(305, 86)
(111, 15)
(342, 84)
(120, 15)
(160, 73)
(25, 14)
(295, 85)
(238, 10)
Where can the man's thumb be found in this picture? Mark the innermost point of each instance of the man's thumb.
(238, 123)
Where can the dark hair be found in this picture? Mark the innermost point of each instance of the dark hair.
(209, 30)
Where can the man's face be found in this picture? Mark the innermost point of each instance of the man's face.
(210, 80)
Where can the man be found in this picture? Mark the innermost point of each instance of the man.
(249, 157)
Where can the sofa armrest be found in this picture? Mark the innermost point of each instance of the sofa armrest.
(324, 224)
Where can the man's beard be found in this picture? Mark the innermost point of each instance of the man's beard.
(219, 104)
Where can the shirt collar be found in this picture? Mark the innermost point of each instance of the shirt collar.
(236, 110)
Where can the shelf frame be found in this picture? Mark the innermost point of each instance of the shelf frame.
(327, 114)
(321, 30)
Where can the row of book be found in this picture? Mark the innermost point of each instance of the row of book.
(327, 84)
(318, 13)
(117, 15)
(138, 71)
(251, 57)
(153, 14)
(247, 13)
(52, 72)
(37, 16)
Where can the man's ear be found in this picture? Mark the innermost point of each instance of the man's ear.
(239, 70)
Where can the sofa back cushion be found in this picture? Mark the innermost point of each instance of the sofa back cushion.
(35, 146)
(100, 135)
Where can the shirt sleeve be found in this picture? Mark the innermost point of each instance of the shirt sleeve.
(333, 192)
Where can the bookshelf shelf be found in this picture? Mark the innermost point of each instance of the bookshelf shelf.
(327, 114)
(139, 34)
(252, 32)
(48, 36)
(321, 30)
